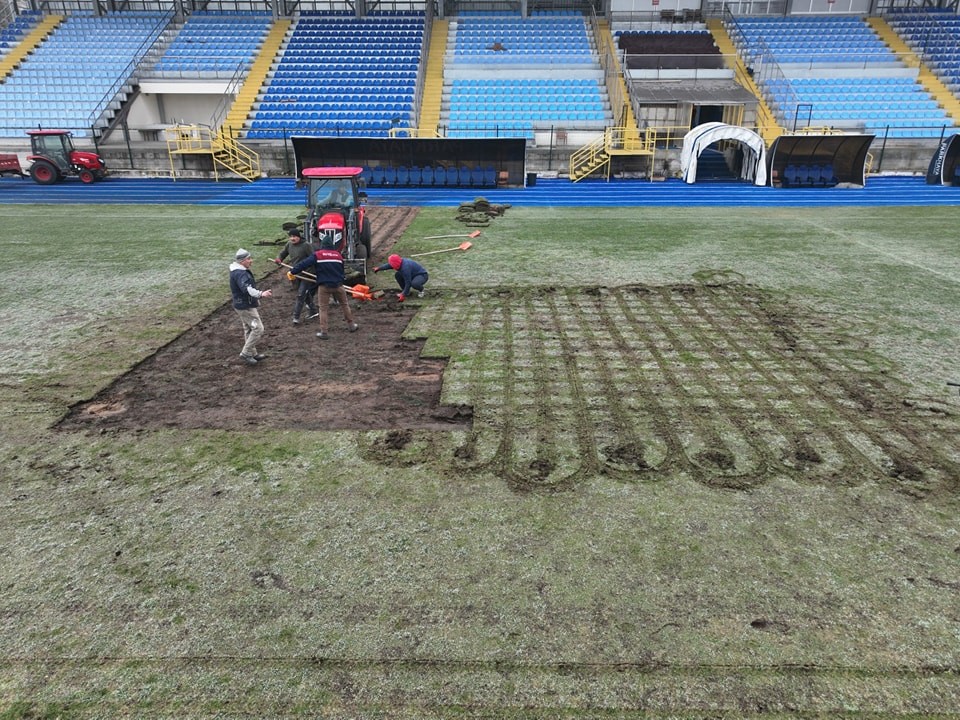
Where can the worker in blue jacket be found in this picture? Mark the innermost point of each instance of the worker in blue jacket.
(326, 266)
(409, 274)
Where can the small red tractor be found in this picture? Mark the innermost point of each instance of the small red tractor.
(53, 157)
(336, 204)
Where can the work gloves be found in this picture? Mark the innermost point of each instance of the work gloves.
(291, 276)
(278, 261)
(400, 297)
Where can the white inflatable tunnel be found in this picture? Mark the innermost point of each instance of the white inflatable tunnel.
(754, 165)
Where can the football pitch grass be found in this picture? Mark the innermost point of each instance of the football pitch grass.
(712, 472)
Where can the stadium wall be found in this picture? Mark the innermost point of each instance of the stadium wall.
(150, 159)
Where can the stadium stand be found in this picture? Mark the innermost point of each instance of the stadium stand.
(536, 53)
(92, 56)
(815, 39)
(12, 34)
(214, 43)
(500, 74)
(674, 49)
(344, 76)
(812, 84)
(934, 35)
(515, 40)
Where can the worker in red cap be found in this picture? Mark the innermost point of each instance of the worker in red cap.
(410, 275)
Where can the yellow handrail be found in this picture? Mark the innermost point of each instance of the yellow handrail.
(29, 43)
(220, 145)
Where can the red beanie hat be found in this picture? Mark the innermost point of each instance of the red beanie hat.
(394, 261)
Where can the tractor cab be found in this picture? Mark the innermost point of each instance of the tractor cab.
(54, 157)
(334, 188)
(334, 193)
(57, 146)
(337, 214)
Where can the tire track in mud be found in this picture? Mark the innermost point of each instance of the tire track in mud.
(386, 226)
(784, 432)
(503, 411)
(625, 449)
(718, 382)
(647, 406)
(680, 417)
(550, 420)
(468, 456)
(715, 456)
(814, 442)
(874, 433)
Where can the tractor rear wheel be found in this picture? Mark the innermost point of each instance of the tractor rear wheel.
(86, 176)
(365, 237)
(44, 173)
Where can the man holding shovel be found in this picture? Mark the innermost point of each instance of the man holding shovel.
(326, 265)
(246, 300)
(296, 250)
(409, 274)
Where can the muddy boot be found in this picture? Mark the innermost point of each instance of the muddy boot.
(296, 311)
(313, 311)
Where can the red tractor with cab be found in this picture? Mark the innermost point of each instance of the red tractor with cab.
(53, 157)
(336, 204)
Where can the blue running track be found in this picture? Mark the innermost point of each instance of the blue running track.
(879, 191)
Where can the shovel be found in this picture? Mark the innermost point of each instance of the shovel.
(363, 292)
(461, 246)
(474, 234)
(302, 276)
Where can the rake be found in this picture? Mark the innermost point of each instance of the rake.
(474, 234)
(461, 246)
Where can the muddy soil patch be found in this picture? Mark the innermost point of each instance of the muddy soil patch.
(370, 379)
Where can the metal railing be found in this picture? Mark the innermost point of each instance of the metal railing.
(126, 75)
(220, 74)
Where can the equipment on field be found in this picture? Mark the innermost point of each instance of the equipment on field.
(10, 165)
(337, 215)
(461, 246)
(954, 384)
(361, 292)
(474, 234)
(302, 276)
(53, 157)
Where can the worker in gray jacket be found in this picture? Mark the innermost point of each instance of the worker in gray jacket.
(246, 300)
(294, 251)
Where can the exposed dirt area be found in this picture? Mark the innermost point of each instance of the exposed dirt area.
(371, 379)
(722, 382)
